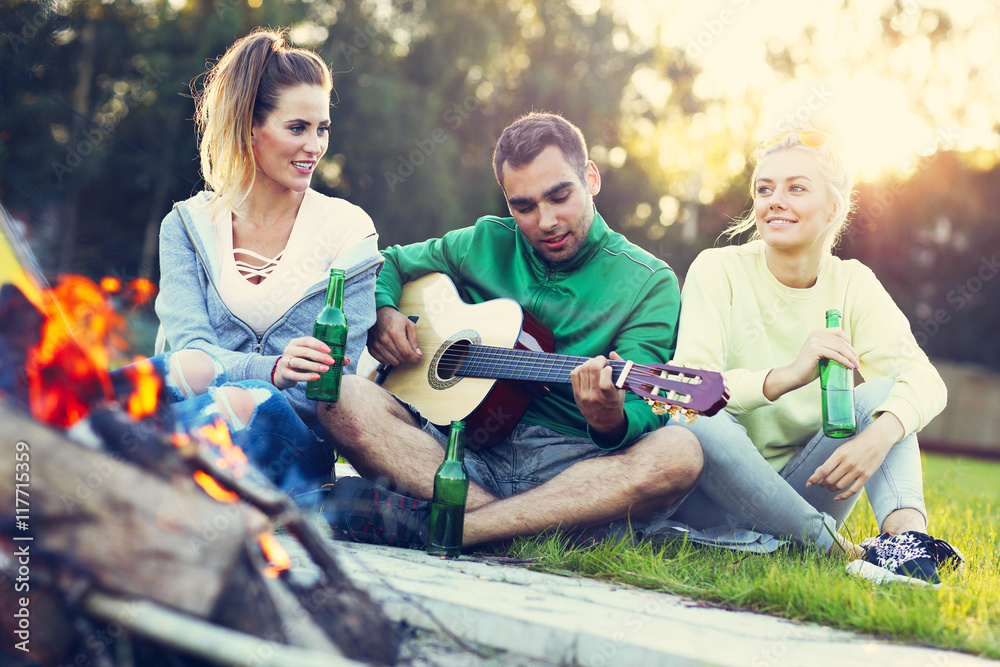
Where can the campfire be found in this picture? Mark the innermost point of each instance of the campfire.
(127, 539)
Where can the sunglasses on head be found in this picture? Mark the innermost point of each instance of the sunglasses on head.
(808, 138)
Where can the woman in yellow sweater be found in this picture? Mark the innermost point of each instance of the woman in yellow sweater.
(756, 312)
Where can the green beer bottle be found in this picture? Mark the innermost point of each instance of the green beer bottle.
(331, 328)
(451, 485)
(837, 384)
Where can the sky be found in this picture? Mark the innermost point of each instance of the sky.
(888, 105)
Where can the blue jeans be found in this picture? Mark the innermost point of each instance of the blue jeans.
(739, 488)
(530, 456)
(276, 440)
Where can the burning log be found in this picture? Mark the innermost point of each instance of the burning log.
(166, 534)
(132, 532)
(134, 535)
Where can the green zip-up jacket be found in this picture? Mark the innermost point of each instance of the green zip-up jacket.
(612, 295)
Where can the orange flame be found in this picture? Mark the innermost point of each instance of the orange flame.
(68, 369)
(232, 456)
(276, 556)
(77, 309)
(142, 401)
(143, 290)
(213, 489)
(61, 394)
(111, 284)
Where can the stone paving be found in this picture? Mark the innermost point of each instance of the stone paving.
(534, 618)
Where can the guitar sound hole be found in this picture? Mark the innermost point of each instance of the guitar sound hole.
(452, 359)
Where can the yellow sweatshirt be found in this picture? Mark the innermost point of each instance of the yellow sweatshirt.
(737, 318)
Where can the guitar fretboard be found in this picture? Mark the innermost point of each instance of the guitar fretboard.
(484, 361)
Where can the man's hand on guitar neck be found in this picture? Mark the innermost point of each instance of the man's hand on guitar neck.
(600, 402)
(393, 339)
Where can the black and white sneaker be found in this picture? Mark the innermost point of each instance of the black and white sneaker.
(949, 558)
(911, 558)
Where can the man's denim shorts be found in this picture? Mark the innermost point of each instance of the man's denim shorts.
(527, 457)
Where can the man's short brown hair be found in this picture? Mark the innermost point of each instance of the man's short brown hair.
(532, 133)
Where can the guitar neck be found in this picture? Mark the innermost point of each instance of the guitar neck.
(500, 363)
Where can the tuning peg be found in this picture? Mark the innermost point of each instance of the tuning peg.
(690, 416)
(658, 407)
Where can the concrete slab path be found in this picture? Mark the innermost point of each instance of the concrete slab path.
(575, 621)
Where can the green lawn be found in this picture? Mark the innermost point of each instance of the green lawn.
(963, 500)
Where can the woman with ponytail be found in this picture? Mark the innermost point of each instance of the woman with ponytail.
(244, 265)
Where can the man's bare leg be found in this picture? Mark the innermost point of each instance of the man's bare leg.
(652, 474)
(381, 439)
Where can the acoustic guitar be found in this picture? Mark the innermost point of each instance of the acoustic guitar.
(484, 364)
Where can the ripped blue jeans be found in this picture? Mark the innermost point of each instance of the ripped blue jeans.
(275, 439)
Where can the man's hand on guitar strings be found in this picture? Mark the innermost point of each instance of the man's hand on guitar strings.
(393, 339)
(600, 402)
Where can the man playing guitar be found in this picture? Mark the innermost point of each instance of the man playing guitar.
(585, 455)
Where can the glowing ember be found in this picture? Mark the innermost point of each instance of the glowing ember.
(82, 334)
(61, 392)
(78, 310)
(111, 284)
(143, 290)
(232, 456)
(213, 489)
(142, 401)
(275, 554)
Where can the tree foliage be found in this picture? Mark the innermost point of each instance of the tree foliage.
(97, 141)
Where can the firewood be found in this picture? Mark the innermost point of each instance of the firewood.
(157, 537)
(206, 640)
(130, 531)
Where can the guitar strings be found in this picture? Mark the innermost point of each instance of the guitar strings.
(541, 360)
(538, 360)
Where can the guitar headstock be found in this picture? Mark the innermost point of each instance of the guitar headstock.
(682, 391)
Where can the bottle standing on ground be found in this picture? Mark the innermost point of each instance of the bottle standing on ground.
(837, 384)
(331, 328)
(451, 485)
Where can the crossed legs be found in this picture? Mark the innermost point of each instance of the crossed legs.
(740, 488)
(382, 439)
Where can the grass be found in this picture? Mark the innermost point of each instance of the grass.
(963, 501)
